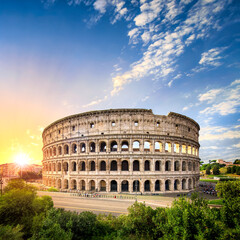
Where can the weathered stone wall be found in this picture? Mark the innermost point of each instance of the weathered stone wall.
(122, 150)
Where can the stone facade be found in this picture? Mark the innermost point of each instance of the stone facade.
(122, 150)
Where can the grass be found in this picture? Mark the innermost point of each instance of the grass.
(216, 201)
(208, 180)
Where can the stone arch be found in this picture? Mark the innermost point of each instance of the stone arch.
(176, 148)
(176, 166)
(54, 151)
(168, 165)
(124, 186)
(65, 184)
(102, 166)
(147, 165)
(73, 184)
(54, 167)
(92, 147)
(125, 166)
(103, 146)
(176, 184)
(82, 185)
(59, 183)
(158, 146)
(157, 165)
(136, 186)
(82, 147)
(74, 148)
(147, 186)
(113, 186)
(147, 146)
(114, 146)
(92, 185)
(136, 145)
(51, 152)
(184, 148)
(136, 165)
(92, 166)
(65, 167)
(102, 186)
(66, 149)
(167, 185)
(189, 149)
(184, 184)
(113, 165)
(157, 185)
(189, 166)
(189, 183)
(74, 166)
(59, 166)
(184, 168)
(59, 150)
(193, 167)
(82, 166)
(124, 145)
(168, 147)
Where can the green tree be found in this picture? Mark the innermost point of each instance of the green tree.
(234, 168)
(216, 170)
(208, 170)
(237, 161)
(19, 184)
(229, 169)
(11, 233)
(238, 170)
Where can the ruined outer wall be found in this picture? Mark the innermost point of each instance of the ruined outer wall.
(122, 150)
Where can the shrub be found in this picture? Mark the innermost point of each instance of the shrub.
(229, 169)
(234, 168)
(208, 170)
(216, 170)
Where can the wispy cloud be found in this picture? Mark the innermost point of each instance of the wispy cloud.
(223, 101)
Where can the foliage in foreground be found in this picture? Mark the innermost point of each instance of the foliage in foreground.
(186, 219)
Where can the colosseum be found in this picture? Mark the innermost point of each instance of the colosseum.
(122, 150)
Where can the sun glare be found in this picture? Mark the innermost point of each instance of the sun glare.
(21, 159)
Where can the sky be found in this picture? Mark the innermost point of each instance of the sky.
(63, 57)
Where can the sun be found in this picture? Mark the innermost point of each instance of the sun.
(22, 159)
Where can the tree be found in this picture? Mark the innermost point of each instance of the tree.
(234, 168)
(19, 184)
(11, 233)
(237, 161)
(216, 170)
(238, 170)
(208, 170)
(229, 169)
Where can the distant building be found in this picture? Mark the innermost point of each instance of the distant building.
(221, 161)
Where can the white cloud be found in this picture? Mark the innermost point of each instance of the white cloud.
(225, 101)
(237, 145)
(95, 102)
(145, 98)
(100, 5)
(212, 57)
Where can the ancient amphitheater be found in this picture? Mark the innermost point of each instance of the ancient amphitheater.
(122, 150)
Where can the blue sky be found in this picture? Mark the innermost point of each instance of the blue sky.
(61, 57)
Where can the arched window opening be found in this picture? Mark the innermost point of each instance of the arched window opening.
(59, 184)
(136, 186)
(54, 167)
(103, 166)
(103, 147)
(176, 184)
(147, 187)
(157, 166)
(167, 185)
(135, 165)
(54, 151)
(59, 150)
(73, 184)
(113, 186)
(74, 148)
(113, 166)
(92, 185)
(50, 167)
(65, 166)
(83, 147)
(184, 148)
(124, 186)
(92, 166)
(194, 169)
(59, 167)
(189, 184)
(91, 125)
(82, 185)
(135, 123)
(196, 152)
(92, 147)
(168, 166)
(147, 146)
(125, 165)
(114, 146)
(113, 124)
(124, 146)
(176, 166)
(194, 183)
(157, 185)
(189, 166)
(50, 152)
(66, 149)
(102, 186)
(193, 150)
(65, 184)
(158, 147)
(147, 165)
(189, 150)
(183, 166)
(176, 147)
(82, 166)
(168, 147)
(74, 166)
(136, 146)
(184, 184)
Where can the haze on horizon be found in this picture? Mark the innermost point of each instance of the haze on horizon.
(63, 57)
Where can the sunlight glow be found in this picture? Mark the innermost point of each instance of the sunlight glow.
(22, 159)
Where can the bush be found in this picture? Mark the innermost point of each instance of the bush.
(52, 189)
(234, 168)
(216, 170)
(229, 169)
(238, 170)
(208, 170)
(11, 233)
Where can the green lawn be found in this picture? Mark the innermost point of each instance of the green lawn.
(216, 202)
